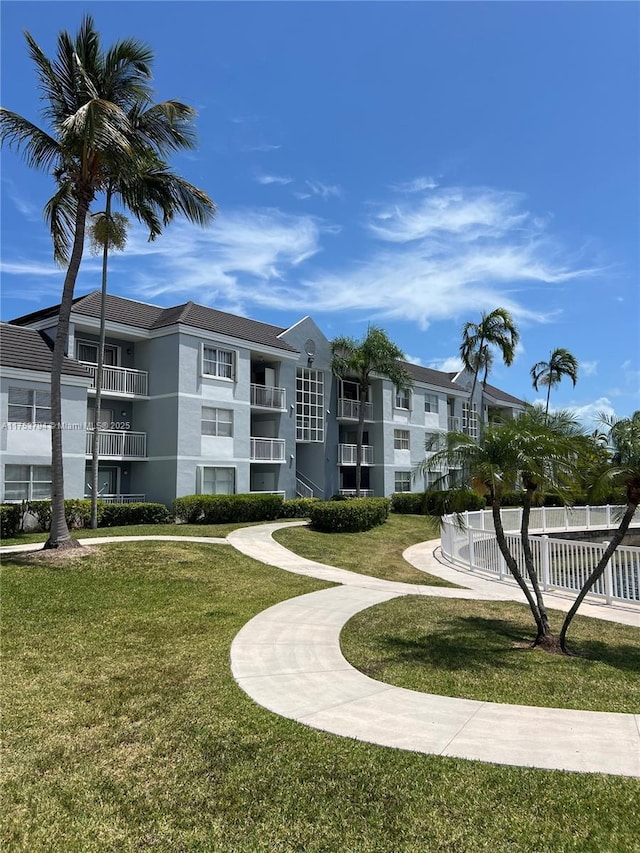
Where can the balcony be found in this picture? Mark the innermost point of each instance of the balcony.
(116, 444)
(347, 454)
(453, 424)
(120, 499)
(267, 450)
(351, 493)
(268, 397)
(349, 410)
(120, 381)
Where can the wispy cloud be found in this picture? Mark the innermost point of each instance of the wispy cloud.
(325, 191)
(416, 185)
(273, 179)
(588, 368)
(413, 359)
(589, 413)
(450, 364)
(261, 146)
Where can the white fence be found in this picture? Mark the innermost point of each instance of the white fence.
(347, 454)
(470, 542)
(268, 397)
(119, 444)
(267, 450)
(120, 380)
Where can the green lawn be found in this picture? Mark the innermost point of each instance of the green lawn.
(218, 530)
(125, 731)
(376, 552)
(480, 650)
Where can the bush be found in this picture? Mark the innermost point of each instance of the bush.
(408, 503)
(225, 509)
(117, 515)
(10, 519)
(452, 500)
(297, 508)
(349, 516)
(77, 512)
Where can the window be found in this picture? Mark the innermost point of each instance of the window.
(218, 481)
(216, 421)
(403, 398)
(433, 442)
(309, 405)
(401, 439)
(27, 482)
(87, 351)
(217, 362)
(402, 481)
(433, 480)
(27, 406)
(431, 402)
(470, 420)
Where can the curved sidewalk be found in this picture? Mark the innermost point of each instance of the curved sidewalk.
(288, 660)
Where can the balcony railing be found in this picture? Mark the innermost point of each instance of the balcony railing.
(120, 380)
(350, 409)
(121, 499)
(453, 424)
(267, 450)
(119, 444)
(351, 493)
(347, 454)
(268, 397)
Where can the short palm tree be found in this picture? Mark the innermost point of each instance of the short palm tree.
(536, 452)
(550, 373)
(374, 355)
(91, 96)
(495, 330)
(623, 467)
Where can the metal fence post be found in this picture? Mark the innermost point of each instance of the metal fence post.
(471, 549)
(545, 562)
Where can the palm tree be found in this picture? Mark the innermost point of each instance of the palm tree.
(90, 95)
(624, 438)
(536, 451)
(495, 330)
(561, 363)
(374, 355)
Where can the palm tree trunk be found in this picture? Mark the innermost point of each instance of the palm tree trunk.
(513, 566)
(546, 411)
(597, 573)
(528, 561)
(59, 536)
(360, 439)
(95, 450)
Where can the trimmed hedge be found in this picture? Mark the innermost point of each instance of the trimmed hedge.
(121, 515)
(10, 519)
(408, 503)
(225, 509)
(297, 507)
(350, 516)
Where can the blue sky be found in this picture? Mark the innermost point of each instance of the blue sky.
(406, 164)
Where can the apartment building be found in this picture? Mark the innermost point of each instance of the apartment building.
(197, 400)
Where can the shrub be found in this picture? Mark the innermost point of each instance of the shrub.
(349, 516)
(297, 508)
(225, 509)
(452, 500)
(408, 503)
(77, 512)
(10, 519)
(117, 515)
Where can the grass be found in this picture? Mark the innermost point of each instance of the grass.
(217, 530)
(479, 650)
(376, 552)
(125, 731)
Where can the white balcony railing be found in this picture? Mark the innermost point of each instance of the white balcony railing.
(347, 454)
(119, 444)
(350, 409)
(121, 499)
(268, 397)
(120, 380)
(351, 493)
(453, 424)
(267, 450)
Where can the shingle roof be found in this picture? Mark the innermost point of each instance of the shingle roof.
(431, 377)
(28, 349)
(499, 395)
(129, 312)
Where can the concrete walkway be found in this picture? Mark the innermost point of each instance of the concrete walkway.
(288, 660)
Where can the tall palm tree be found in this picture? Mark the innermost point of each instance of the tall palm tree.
(374, 355)
(538, 452)
(549, 373)
(624, 467)
(89, 94)
(495, 330)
